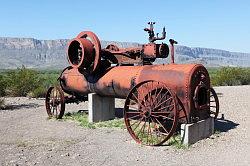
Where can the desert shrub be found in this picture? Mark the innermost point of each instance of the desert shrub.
(2, 90)
(47, 80)
(230, 76)
(22, 81)
(3, 85)
(38, 92)
(27, 82)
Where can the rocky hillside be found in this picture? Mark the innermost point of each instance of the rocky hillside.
(33, 53)
(212, 57)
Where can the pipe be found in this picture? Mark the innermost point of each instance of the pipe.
(172, 42)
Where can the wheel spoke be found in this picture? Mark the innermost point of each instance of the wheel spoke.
(156, 97)
(161, 133)
(149, 94)
(133, 106)
(143, 131)
(53, 109)
(150, 135)
(172, 105)
(164, 117)
(130, 112)
(56, 111)
(136, 123)
(132, 118)
(162, 98)
(161, 125)
(138, 100)
(164, 102)
(155, 128)
(148, 131)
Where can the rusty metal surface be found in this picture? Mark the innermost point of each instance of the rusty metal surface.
(84, 51)
(183, 79)
(127, 72)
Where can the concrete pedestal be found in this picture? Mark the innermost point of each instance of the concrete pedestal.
(191, 133)
(100, 108)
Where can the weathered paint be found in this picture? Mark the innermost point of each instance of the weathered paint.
(118, 81)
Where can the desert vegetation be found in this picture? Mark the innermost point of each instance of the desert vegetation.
(229, 76)
(82, 118)
(26, 82)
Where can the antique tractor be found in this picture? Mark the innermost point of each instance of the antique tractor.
(158, 97)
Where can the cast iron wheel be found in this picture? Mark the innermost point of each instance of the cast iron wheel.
(150, 113)
(55, 105)
(214, 104)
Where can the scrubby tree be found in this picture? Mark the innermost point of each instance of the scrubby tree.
(229, 76)
(22, 81)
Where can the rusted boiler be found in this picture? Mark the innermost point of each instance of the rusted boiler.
(158, 97)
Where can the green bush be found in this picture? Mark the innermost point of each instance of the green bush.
(39, 92)
(3, 85)
(2, 91)
(231, 76)
(27, 82)
(21, 81)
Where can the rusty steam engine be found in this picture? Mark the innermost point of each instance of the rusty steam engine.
(158, 97)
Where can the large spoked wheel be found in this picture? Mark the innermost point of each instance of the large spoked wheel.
(214, 104)
(55, 105)
(150, 113)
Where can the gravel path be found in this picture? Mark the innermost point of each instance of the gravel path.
(27, 137)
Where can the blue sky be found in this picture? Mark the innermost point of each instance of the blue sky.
(223, 24)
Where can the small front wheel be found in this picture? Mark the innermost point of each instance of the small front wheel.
(214, 104)
(54, 102)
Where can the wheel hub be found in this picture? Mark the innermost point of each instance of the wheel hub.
(147, 114)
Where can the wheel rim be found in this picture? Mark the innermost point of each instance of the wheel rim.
(150, 113)
(55, 105)
(183, 118)
(214, 104)
(97, 47)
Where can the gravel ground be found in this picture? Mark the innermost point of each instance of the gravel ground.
(27, 137)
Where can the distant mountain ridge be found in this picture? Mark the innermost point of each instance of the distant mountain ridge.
(42, 54)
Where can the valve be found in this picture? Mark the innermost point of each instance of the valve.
(151, 33)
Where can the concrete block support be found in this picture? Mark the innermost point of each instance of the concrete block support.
(100, 108)
(191, 133)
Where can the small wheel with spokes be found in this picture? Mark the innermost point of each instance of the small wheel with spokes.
(214, 104)
(55, 105)
(150, 113)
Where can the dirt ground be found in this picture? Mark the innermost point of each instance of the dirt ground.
(27, 137)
